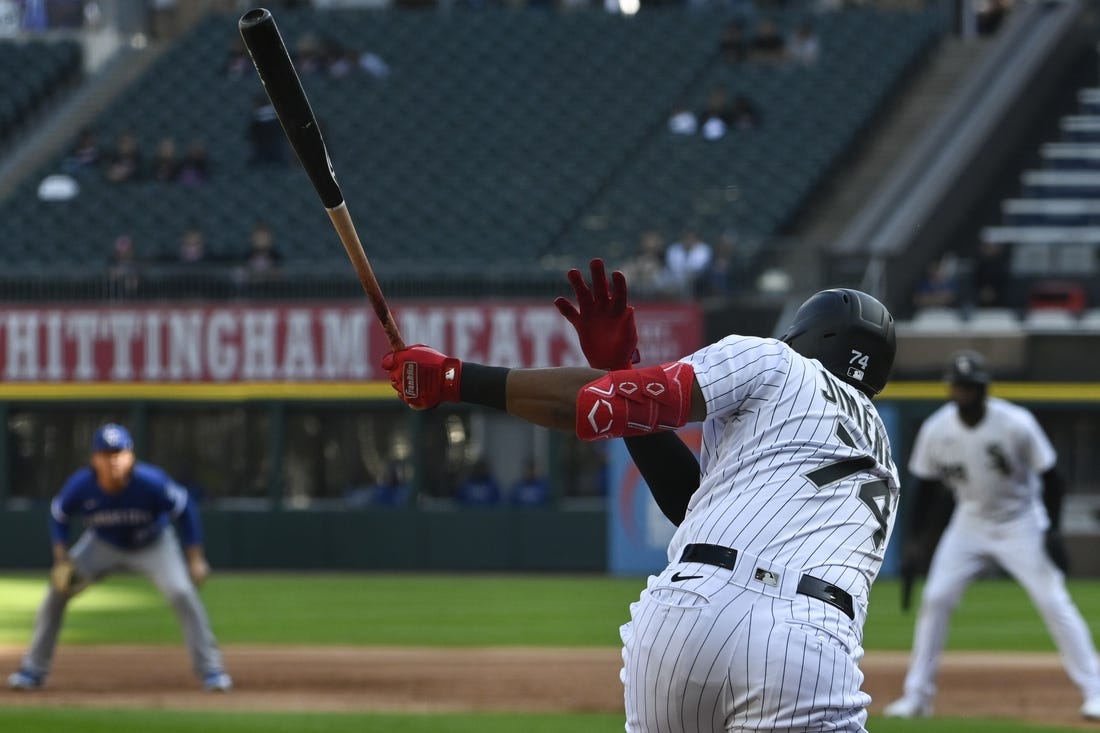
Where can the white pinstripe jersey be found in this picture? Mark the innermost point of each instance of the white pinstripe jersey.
(796, 465)
(993, 468)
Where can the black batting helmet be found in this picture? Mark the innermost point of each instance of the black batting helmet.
(850, 333)
(966, 366)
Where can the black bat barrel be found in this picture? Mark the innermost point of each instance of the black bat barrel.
(284, 89)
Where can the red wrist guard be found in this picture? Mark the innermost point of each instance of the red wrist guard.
(626, 403)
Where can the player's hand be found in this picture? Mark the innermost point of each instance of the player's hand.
(199, 570)
(603, 320)
(63, 576)
(423, 377)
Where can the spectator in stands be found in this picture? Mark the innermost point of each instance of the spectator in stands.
(237, 61)
(340, 61)
(531, 490)
(687, 259)
(803, 46)
(265, 134)
(479, 489)
(990, 275)
(390, 490)
(743, 114)
(192, 247)
(646, 271)
(123, 269)
(723, 277)
(124, 163)
(164, 167)
(195, 166)
(163, 19)
(989, 14)
(682, 121)
(310, 54)
(716, 115)
(263, 260)
(732, 43)
(85, 154)
(768, 44)
(939, 288)
(374, 65)
(35, 17)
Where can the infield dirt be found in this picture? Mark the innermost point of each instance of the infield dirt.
(1030, 687)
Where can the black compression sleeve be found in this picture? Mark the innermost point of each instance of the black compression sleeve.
(484, 385)
(1053, 490)
(669, 468)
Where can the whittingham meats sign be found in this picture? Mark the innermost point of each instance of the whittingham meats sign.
(323, 342)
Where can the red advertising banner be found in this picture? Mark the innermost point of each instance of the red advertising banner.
(307, 342)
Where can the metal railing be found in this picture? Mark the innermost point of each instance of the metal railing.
(225, 282)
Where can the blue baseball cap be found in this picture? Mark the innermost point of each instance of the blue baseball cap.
(112, 437)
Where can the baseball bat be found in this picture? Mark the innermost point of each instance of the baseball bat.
(269, 55)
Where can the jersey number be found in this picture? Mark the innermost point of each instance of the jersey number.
(870, 492)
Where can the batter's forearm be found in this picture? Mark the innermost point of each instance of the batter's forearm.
(548, 397)
(60, 552)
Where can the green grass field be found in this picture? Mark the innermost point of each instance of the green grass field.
(438, 610)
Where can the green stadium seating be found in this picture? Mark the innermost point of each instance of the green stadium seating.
(33, 70)
(499, 138)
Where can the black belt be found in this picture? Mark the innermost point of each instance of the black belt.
(808, 585)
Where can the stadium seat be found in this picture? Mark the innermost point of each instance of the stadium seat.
(506, 136)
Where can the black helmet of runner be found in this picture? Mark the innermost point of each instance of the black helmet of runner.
(966, 366)
(850, 333)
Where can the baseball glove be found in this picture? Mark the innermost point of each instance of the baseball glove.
(63, 577)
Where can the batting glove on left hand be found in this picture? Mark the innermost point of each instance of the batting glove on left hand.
(423, 377)
(603, 320)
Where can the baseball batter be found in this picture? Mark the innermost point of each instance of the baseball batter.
(128, 508)
(1000, 466)
(757, 621)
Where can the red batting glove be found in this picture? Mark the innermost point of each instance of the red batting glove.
(604, 322)
(423, 377)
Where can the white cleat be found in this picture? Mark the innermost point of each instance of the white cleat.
(908, 707)
(217, 682)
(1091, 708)
(24, 680)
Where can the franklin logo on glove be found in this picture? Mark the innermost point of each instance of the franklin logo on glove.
(411, 387)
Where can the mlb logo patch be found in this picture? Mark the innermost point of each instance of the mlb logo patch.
(767, 577)
(855, 373)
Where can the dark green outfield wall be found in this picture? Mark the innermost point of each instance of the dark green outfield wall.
(555, 541)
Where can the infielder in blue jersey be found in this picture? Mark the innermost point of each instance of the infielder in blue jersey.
(128, 509)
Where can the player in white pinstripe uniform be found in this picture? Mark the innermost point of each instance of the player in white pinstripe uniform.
(1000, 465)
(756, 623)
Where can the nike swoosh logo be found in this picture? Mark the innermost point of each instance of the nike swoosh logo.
(676, 577)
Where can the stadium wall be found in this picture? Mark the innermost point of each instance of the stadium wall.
(565, 537)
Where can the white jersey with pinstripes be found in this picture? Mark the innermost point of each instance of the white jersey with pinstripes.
(993, 467)
(797, 477)
(796, 465)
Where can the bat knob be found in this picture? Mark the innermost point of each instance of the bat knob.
(254, 17)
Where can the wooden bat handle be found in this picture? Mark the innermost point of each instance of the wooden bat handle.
(341, 220)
